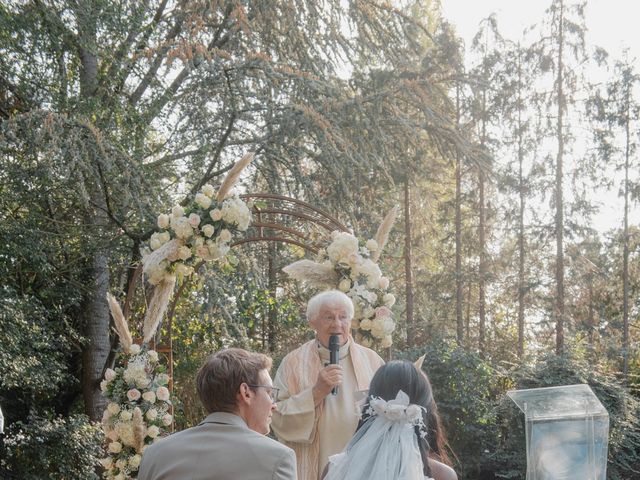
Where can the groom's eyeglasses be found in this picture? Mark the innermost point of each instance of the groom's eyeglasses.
(273, 391)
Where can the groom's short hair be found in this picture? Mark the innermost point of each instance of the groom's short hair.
(219, 379)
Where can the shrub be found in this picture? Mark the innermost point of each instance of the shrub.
(59, 448)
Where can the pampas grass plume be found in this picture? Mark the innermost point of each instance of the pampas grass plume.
(382, 235)
(120, 322)
(233, 175)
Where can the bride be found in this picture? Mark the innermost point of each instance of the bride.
(393, 438)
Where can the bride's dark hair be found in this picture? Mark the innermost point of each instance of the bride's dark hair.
(402, 375)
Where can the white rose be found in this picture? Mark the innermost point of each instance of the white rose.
(371, 245)
(162, 378)
(163, 220)
(215, 214)
(134, 349)
(208, 190)
(153, 431)
(152, 414)
(134, 461)
(384, 283)
(106, 462)
(366, 324)
(368, 312)
(225, 235)
(177, 211)
(208, 230)
(344, 285)
(387, 341)
(163, 393)
(121, 463)
(167, 419)
(149, 396)
(126, 415)
(203, 201)
(389, 299)
(115, 447)
(113, 408)
(194, 219)
(153, 355)
(109, 374)
(103, 385)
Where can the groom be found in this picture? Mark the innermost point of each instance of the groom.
(230, 444)
(309, 418)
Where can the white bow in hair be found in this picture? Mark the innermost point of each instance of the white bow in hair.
(399, 410)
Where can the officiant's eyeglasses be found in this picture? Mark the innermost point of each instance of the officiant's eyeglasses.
(273, 391)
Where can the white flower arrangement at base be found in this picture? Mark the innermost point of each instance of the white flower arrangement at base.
(138, 412)
(349, 264)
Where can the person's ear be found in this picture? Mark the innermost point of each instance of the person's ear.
(244, 393)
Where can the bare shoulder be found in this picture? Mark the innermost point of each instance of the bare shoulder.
(440, 471)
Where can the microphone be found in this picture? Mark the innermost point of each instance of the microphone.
(334, 352)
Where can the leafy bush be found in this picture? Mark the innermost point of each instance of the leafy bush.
(464, 387)
(61, 448)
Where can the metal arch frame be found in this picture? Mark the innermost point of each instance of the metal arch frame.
(299, 210)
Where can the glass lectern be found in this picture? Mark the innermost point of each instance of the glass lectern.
(567, 431)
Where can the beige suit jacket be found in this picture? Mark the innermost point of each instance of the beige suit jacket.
(222, 447)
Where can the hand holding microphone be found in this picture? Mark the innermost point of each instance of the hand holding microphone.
(334, 355)
(331, 375)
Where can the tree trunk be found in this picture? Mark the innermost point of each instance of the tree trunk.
(521, 287)
(482, 267)
(96, 322)
(411, 327)
(96, 311)
(625, 248)
(559, 217)
(458, 220)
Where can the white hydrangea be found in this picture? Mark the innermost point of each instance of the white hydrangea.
(344, 244)
(235, 211)
(182, 227)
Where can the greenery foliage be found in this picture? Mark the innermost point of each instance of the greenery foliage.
(55, 449)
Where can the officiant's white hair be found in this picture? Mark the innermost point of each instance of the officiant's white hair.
(328, 297)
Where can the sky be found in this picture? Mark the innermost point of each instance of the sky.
(611, 24)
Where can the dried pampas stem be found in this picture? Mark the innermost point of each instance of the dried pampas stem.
(151, 261)
(232, 177)
(315, 274)
(382, 235)
(418, 363)
(138, 430)
(120, 322)
(157, 306)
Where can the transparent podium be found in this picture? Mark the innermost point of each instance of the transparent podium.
(567, 431)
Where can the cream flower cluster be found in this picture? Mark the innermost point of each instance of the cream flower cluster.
(362, 280)
(138, 412)
(203, 232)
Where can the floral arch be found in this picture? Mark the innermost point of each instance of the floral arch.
(138, 390)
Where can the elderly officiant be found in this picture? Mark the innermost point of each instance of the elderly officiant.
(309, 418)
